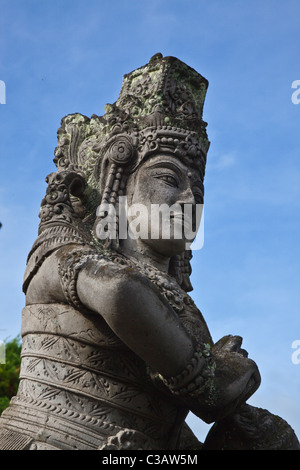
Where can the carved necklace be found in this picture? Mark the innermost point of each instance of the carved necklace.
(167, 285)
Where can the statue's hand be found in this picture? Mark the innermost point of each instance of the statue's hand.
(227, 381)
(236, 376)
(231, 344)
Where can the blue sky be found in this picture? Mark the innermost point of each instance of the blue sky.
(63, 56)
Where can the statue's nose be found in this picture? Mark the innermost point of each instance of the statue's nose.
(187, 197)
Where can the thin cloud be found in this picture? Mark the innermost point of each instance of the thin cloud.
(223, 162)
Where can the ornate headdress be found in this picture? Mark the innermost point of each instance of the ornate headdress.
(159, 109)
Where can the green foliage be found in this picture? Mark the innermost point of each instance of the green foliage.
(9, 372)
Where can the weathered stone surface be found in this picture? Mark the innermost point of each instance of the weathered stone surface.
(251, 429)
(115, 352)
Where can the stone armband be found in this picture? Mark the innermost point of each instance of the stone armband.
(70, 264)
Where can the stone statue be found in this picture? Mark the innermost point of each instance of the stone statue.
(115, 353)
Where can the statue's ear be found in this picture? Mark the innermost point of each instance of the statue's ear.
(118, 156)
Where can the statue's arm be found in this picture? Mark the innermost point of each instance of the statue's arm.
(210, 382)
(129, 304)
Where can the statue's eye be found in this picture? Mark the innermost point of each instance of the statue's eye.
(170, 180)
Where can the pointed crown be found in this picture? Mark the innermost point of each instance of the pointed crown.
(159, 109)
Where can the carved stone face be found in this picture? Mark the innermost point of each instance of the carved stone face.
(169, 190)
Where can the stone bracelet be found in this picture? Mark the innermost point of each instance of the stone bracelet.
(194, 375)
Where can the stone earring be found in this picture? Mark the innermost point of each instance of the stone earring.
(120, 153)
